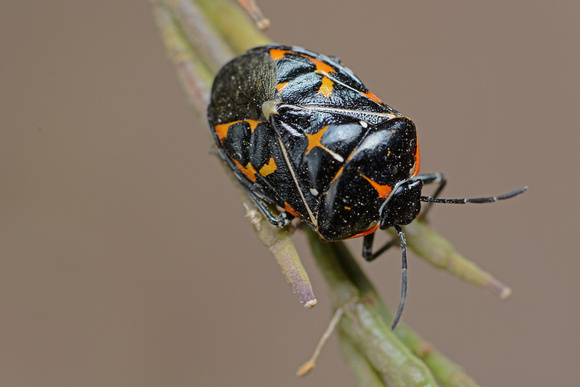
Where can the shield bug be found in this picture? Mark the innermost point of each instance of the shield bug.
(299, 130)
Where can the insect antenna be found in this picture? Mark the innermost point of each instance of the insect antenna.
(404, 276)
(488, 199)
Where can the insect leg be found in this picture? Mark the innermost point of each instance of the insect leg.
(279, 221)
(432, 178)
(368, 247)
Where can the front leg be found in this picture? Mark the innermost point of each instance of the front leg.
(432, 178)
(368, 247)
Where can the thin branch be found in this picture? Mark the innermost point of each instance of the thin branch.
(196, 67)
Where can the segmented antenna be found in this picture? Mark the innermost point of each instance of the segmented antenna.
(489, 199)
(404, 277)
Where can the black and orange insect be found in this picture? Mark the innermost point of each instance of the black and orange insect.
(300, 131)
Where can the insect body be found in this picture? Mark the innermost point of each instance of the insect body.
(301, 131)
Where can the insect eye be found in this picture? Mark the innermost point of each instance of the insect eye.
(403, 205)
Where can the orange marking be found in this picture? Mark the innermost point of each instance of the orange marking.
(281, 86)
(291, 210)
(383, 190)
(314, 139)
(363, 233)
(268, 168)
(321, 67)
(326, 87)
(249, 171)
(415, 169)
(222, 129)
(253, 124)
(370, 95)
(337, 175)
(276, 53)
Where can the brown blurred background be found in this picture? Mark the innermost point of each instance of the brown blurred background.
(125, 257)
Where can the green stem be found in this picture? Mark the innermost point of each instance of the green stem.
(234, 25)
(362, 370)
(362, 323)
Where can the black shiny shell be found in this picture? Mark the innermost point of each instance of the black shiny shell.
(301, 131)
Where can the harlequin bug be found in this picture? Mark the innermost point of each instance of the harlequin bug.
(300, 131)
